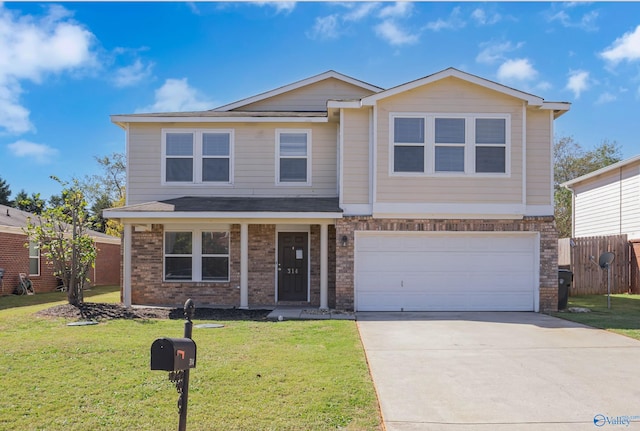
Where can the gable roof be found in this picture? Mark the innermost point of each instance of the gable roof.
(601, 171)
(226, 113)
(532, 100)
(298, 84)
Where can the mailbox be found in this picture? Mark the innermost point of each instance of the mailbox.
(173, 354)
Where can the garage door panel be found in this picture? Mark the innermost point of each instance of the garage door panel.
(421, 301)
(443, 260)
(437, 272)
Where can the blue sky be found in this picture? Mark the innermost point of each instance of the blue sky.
(65, 67)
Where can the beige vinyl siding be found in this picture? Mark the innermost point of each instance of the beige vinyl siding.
(254, 162)
(356, 156)
(312, 97)
(455, 96)
(609, 204)
(539, 158)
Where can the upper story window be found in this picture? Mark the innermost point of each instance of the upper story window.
(408, 144)
(448, 144)
(197, 156)
(491, 145)
(450, 140)
(34, 258)
(293, 157)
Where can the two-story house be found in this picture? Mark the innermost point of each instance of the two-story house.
(331, 192)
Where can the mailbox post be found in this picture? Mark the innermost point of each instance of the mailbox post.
(178, 356)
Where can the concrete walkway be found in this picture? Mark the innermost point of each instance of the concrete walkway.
(301, 313)
(500, 371)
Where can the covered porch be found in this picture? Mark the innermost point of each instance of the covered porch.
(270, 252)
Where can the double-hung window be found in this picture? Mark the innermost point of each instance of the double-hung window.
(449, 144)
(293, 157)
(408, 144)
(196, 255)
(197, 156)
(450, 139)
(491, 145)
(34, 258)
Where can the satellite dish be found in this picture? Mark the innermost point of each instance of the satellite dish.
(605, 259)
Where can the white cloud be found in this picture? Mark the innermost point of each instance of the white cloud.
(14, 118)
(578, 82)
(586, 22)
(176, 95)
(33, 47)
(606, 97)
(280, 6)
(38, 153)
(389, 31)
(401, 9)
(359, 11)
(453, 22)
(132, 74)
(481, 17)
(519, 69)
(626, 47)
(543, 86)
(493, 52)
(325, 27)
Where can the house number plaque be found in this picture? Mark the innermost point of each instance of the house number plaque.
(292, 270)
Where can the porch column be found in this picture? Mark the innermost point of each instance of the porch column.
(324, 266)
(126, 267)
(244, 266)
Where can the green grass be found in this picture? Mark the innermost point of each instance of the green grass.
(292, 375)
(623, 317)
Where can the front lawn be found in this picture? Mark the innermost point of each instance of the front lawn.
(291, 375)
(623, 317)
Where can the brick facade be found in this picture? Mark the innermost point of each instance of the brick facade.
(14, 258)
(148, 287)
(545, 225)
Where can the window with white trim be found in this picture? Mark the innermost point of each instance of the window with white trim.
(449, 144)
(450, 140)
(192, 156)
(409, 144)
(491, 145)
(34, 258)
(196, 255)
(293, 157)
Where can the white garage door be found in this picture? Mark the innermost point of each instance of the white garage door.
(414, 271)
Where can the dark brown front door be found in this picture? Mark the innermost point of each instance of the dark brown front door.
(292, 266)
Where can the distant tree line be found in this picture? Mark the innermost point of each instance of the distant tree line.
(105, 189)
(571, 161)
(62, 223)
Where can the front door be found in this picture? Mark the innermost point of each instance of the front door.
(292, 266)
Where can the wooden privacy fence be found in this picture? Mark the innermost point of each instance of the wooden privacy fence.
(583, 255)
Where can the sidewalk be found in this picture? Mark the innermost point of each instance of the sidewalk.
(302, 313)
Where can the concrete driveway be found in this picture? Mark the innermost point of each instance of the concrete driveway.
(500, 371)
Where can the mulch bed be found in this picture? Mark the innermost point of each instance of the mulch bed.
(95, 311)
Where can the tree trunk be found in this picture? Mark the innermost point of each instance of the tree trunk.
(74, 297)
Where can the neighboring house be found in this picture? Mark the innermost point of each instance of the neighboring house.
(16, 257)
(331, 192)
(607, 201)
